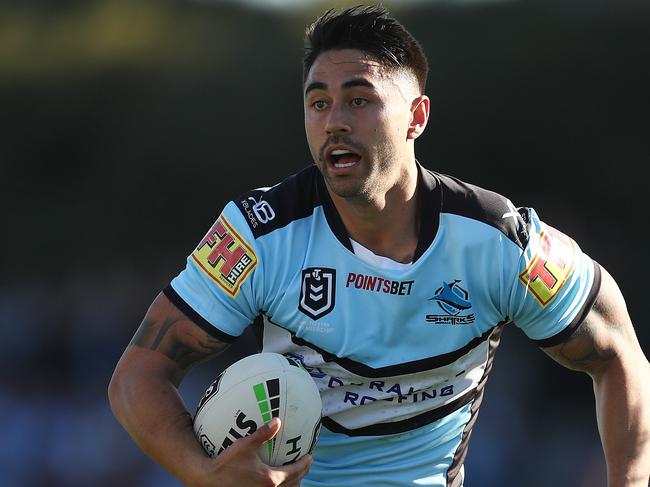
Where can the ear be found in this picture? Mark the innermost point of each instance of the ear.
(419, 117)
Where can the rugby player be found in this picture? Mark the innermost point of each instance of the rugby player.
(390, 282)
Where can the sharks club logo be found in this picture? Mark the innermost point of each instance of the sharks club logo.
(453, 300)
(317, 291)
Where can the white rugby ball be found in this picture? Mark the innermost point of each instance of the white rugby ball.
(251, 392)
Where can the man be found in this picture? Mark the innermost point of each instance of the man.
(390, 283)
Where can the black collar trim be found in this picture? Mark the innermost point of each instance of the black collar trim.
(429, 204)
(332, 216)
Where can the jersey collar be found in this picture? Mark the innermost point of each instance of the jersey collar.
(429, 199)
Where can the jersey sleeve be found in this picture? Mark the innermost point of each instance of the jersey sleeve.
(216, 289)
(554, 287)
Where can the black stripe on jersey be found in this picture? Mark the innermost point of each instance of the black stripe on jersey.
(580, 317)
(460, 198)
(298, 195)
(460, 454)
(404, 425)
(292, 199)
(199, 320)
(413, 367)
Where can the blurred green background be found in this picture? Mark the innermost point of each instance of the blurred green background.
(127, 125)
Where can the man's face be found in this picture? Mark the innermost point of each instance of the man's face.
(357, 118)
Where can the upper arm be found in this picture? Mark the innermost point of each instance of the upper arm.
(606, 335)
(171, 341)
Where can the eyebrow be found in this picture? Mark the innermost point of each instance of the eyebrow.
(319, 85)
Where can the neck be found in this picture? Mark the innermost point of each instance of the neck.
(387, 223)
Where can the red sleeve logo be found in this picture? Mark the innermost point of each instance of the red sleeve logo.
(551, 266)
(225, 257)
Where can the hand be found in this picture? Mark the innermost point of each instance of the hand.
(240, 464)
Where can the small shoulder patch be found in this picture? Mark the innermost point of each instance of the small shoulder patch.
(269, 209)
(225, 257)
(256, 210)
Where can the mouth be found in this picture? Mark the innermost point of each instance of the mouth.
(342, 158)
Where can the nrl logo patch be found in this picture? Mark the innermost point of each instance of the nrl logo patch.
(317, 291)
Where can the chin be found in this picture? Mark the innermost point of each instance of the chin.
(348, 190)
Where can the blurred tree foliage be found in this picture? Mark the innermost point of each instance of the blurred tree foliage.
(127, 125)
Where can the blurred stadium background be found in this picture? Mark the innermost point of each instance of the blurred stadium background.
(127, 125)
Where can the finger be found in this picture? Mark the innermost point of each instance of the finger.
(265, 433)
(294, 472)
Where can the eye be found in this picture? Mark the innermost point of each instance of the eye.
(359, 102)
(319, 105)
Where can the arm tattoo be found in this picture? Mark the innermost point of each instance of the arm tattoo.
(161, 334)
(584, 350)
(605, 335)
(178, 338)
(592, 345)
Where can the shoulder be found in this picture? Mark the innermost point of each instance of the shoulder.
(470, 201)
(268, 209)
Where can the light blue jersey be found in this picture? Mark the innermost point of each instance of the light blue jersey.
(400, 354)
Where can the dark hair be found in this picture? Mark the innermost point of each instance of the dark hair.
(368, 29)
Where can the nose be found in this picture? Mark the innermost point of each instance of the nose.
(337, 121)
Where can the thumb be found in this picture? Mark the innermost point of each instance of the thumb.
(266, 432)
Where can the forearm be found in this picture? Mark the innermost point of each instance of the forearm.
(147, 404)
(145, 400)
(622, 392)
